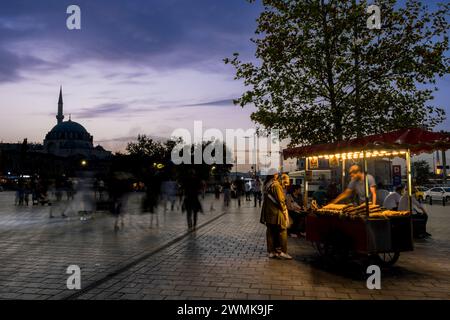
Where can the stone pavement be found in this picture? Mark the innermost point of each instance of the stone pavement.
(224, 259)
(227, 260)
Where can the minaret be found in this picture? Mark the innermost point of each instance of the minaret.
(60, 115)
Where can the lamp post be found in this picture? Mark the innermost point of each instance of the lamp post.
(254, 153)
(444, 167)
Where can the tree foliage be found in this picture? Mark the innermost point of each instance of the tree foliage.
(322, 75)
(217, 169)
(147, 147)
(144, 155)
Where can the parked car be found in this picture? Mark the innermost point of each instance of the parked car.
(438, 194)
(419, 193)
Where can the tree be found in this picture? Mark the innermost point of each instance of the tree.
(147, 147)
(147, 159)
(321, 75)
(422, 171)
(217, 170)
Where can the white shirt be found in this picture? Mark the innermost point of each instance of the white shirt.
(381, 196)
(392, 201)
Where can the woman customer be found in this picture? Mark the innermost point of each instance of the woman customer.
(274, 215)
(294, 204)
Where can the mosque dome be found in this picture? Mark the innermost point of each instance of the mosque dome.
(69, 126)
(69, 138)
(69, 130)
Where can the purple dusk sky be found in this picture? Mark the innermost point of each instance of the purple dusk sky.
(135, 67)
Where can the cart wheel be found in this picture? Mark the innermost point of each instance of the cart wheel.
(331, 253)
(388, 258)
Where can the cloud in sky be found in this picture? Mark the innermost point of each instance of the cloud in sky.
(134, 64)
(101, 110)
(161, 34)
(218, 103)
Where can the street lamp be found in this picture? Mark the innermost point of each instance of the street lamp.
(158, 166)
(254, 151)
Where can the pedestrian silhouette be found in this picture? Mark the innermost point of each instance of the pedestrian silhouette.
(192, 187)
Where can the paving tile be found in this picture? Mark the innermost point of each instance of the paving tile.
(225, 260)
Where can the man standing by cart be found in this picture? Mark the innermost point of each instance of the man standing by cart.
(357, 188)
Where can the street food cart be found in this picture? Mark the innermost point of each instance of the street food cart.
(367, 229)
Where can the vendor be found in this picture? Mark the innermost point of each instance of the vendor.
(357, 187)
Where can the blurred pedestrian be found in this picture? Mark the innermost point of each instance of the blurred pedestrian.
(70, 189)
(100, 188)
(192, 187)
(118, 188)
(257, 191)
(240, 189)
(248, 188)
(226, 187)
(217, 191)
(180, 194)
(27, 194)
(150, 200)
(57, 187)
(169, 193)
(204, 187)
(17, 196)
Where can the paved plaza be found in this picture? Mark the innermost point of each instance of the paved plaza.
(224, 259)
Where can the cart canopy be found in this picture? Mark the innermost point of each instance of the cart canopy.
(415, 139)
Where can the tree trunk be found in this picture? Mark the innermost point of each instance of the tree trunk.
(357, 100)
(335, 109)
